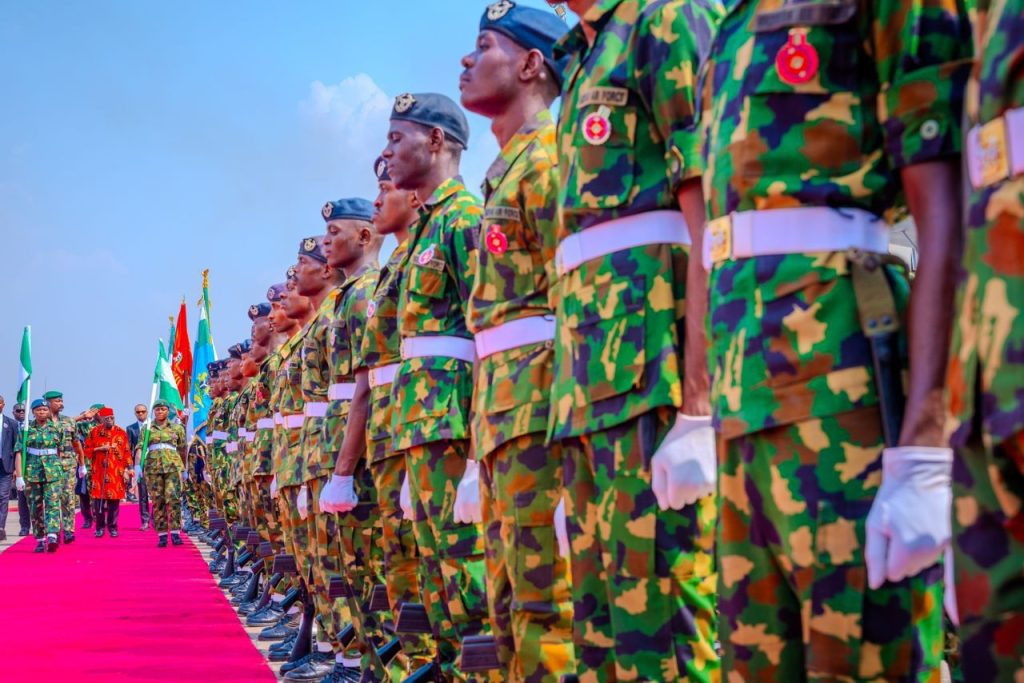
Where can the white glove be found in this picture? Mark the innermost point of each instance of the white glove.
(273, 487)
(302, 502)
(561, 530)
(186, 474)
(467, 496)
(339, 495)
(949, 590)
(684, 469)
(19, 484)
(909, 524)
(81, 470)
(138, 473)
(206, 477)
(405, 498)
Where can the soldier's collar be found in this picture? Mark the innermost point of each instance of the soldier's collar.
(575, 40)
(443, 192)
(363, 270)
(514, 148)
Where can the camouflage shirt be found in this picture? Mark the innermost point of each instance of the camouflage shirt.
(164, 460)
(381, 346)
(628, 136)
(815, 104)
(516, 257)
(343, 342)
(988, 336)
(316, 378)
(50, 435)
(69, 435)
(286, 399)
(241, 416)
(259, 409)
(433, 394)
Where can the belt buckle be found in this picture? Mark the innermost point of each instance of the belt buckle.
(720, 233)
(994, 158)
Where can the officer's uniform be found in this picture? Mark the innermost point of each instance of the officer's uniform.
(380, 352)
(986, 370)
(162, 465)
(810, 110)
(511, 315)
(355, 536)
(197, 491)
(69, 459)
(226, 479)
(219, 436)
(643, 578)
(432, 390)
(44, 474)
(268, 520)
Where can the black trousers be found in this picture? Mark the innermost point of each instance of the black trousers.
(86, 506)
(24, 512)
(105, 513)
(143, 501)
(6, 487)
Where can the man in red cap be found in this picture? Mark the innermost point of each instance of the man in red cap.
(110, 459)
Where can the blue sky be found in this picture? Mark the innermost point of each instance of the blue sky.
(141, 142)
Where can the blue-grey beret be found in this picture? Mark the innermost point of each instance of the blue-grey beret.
(39, 403)
(530, 28)
(313, 248)
(275, 292)
(260, 310)
(355, 208)
(433, 110)
(246, 346)
(235, 351)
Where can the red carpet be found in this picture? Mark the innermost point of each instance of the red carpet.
(119, 609)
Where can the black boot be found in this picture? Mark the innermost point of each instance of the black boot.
(40, 547)
(176, 539)
(99, 533)
(161, 541)
(51, 543)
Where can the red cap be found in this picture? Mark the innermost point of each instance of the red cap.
(106, 412)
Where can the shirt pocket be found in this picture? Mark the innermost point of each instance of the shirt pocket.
(427, 279)
(511, 258)
(600, 174)
(341, 349)
(809, 83)
(519, 377)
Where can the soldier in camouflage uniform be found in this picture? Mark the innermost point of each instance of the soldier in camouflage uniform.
(42, 472)
(72, 457)
(197, 490)
(239, 415)
(986, 371)
(162, 464)
(643, 567)
(351, 245)
(230, 474)
(823, 123)
(512, 78)
(217, 435)
(433, 385)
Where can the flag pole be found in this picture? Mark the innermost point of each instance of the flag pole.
(27, 402)
(149, 420)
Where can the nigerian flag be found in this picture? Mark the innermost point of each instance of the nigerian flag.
(26, 367)
(163, 378)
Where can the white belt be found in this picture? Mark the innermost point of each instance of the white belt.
(995, 150)
(803, 230)
(41, 451)
(265, 423)
(242, 432)
(222, 436)
(439, 345)
(315, 409)
(638, 230)
(292, 421)
(208, 441)
(250, 436)
(382, 375)
(342, 391)
(513, 334)
(232, 447)
(278, 419)
(161, 447)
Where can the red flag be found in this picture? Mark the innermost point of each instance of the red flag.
(181, 355)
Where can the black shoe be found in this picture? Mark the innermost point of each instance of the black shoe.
(161, 542)
(285, 645)
(51, 544)
(279, 631)
(99, 533)
(318, 666)
(69, 538)
(3, 535)
(87, 524)
(41, 547)
(23, 532)
(144, 527)
(268, 616)
(176, 540)
(247, 608)
(298, 663)
(114, 533)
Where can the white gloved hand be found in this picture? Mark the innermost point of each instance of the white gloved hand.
(405, 498)
(138, 473)
(909, 524)
(81, 470)
(273, 487)
(186, 474)
(561, 530)
(19, 484)
(302, 502)
(467, 496)
(684, 469)
(339, 495)
(949, 590)
(207, 478)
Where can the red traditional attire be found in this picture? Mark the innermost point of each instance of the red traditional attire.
(107, 468)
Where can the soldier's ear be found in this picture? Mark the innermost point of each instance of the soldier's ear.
(435, 140)
(531, 66)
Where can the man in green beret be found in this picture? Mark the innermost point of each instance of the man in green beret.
(73, 459)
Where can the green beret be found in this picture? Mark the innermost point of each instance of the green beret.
(95, 406)
(50, 395)
(160, 403)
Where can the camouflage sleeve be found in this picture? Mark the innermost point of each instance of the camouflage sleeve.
(314, 355)
(922, 51)
(356, 320)
(462, 248)
(670, 41)
(179, 437)
(538, 195)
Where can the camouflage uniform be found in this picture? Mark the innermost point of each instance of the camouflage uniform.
(433, 396)
(162, 467)
(69, 459)
(643, 578)
(215, 428)
(197, 491)
(229, 458)
(986, 370)
(260, 420)
(814, 107)
(528, 588)
(239, 470)
(44, 475)
(359, 532)
(380, 349)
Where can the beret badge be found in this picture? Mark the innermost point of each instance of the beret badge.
(404, 102)
(499, 9)
(254, 310)
(327, 210)
(270, 295)
(309, 244)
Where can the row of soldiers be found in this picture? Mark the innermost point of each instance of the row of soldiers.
(661, 406)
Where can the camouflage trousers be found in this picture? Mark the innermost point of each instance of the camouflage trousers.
(528, 591)
(327, 564)
(400, 556)
(198, 498)
(165, 493)
(452, 565)
(45, 476)
(246, 512)
(68, 497)
(988, 542)
(268, 523)
(643, 579)
(300, 541)
(793, 591)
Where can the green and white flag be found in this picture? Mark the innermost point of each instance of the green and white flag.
(26, 366)
(163, 377)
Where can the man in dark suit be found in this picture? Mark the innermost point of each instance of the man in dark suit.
(24, 517)
(134, 435)
(8, 435)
